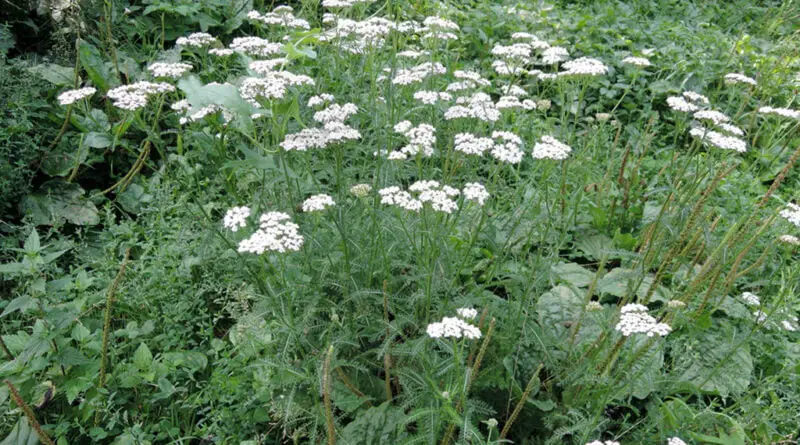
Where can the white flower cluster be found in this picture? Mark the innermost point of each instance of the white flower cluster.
(431, 97)
(236, 218)
(134, 96)
(675, 441)
(196, 40)
(453, 327)
(734, 78)
(321, 99)
(637, 61)
(396, 196)
(783, 112)
(280, 16)
(583, 66)
(476, 192)
(181, 105)
(789, 239)
(478, 106)
(719, 140)
(412, 54)
(334, 130)
(421, 140)
(731, 129)
(266, 67)
(360, 190)
(467, 313)
(470, 144)
(469, 80)
(276, 233)
(608, 442)
(171, 70)
(439, 197)
(554, 54)
(634, 319)
(792, 213)
(678, 103)
(533, 41)
(272, 86)
(751, 299)
(317, 203)
(507, 147)
(438, 28)
(69, 97)
(343, 3)
(418, 73)
(676, 304)
(551, 148)
(696, 98)
(511, 102)
(221, 52)
(207, 110)
(713, 116)
(255, 46)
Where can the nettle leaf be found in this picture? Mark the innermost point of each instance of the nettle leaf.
(559, 309)
(572, 273)
(715, 361)
(59, 199)
(22, 434)
(142, 357)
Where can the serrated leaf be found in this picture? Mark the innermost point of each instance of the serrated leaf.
(53, 73)
(22, 434)
(378, 425)
(97, 140)
(572, 273)
(620, 280)
(21, 304)
(59, 199)
(142, 357)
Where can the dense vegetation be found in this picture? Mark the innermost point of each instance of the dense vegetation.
(380, 221)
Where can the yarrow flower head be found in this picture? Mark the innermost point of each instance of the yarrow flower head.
(734, 78)
(134, 96)
(273, 86)
(550, 148)
(360, 190)
(255, 46)
(280, 16)
(676, 304)
(792, 213)
(275, 234)
(675, 441)
(695, 97)
(593, 306)
(634, 319)
(783, 112)
(711, 115)
(751, 299)
(678, 103)
(554, 54)
(317, 203)
(236, 218)
(478, 106)
(470, 144)
(221, 52)
(789, 239)
(431, 97)
(196, 40)
(719, 140)
(171, 70)
(636, 61)
(453, 327)
(583, 66)
(507, 147)
(69, 97)
(467, 313)
(421, 140)
(607, 442)
(474, 191)
(418, 73)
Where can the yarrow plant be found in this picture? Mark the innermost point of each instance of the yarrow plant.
(634, 319)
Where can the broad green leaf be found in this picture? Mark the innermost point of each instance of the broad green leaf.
(58, 199)
(644, 375)
(97, 140)
(32, 244)
(21, 304)
(559, 309)
(55, 74)
(572, 273)
(714, 361)
(142, 357)
(620, 280)
(97, 69)
(133, 197)
(226, 95)
(22, 434)
(378, 425)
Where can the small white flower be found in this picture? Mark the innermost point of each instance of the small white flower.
(788, 326)
(711, 115)
(196, 40)
(607, 442)
(236, 218)
(171, 70)
(634, 319)
(637, 61)
(675, 441)
(751, 299)
(317, 203)
(554, 55)
(474, 191)
(678, 103)
(467, 313)
(783, 112)
(593, 306)
(275, 234)
(583, 66)
(695, 97)
(719, 140)
(221, 52)
(789, 239)
(676, 304)
(360, 190)
(550, 148)
(452, 327)
(792, 213)
(734, 78)
(69, 97)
